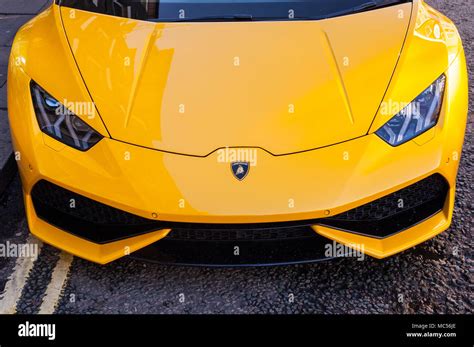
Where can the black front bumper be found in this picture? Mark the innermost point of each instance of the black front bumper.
(237, 244)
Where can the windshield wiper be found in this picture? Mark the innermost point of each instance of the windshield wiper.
(229, 18)
(365, 6)
(369, 5)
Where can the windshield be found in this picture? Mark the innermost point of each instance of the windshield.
(227, 10)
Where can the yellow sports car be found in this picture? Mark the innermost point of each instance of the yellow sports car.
(236, 132)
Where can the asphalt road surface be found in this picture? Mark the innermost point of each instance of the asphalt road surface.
(435, 277)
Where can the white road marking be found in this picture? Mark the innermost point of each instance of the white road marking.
(55, 287)
(17, 280)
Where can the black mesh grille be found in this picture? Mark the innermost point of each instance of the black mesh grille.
(100, 223)
(240, 234)
(395, 212)
(79, 206)
(85, 217)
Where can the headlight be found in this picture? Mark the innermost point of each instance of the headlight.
(60, 123)
(416, 118)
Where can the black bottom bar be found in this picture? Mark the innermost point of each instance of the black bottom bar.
(320, 330)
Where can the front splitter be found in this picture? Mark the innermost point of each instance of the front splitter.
(307, 249)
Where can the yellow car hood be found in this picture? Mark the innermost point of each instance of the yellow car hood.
(284, 86)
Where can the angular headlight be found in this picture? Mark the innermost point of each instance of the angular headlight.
(416, 118)
(57, 121)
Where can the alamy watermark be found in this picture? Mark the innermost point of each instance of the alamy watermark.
(352, 250)
(18, 250)
(28, 329)
(71, 108)
(232, 155)
(389, 108)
